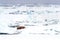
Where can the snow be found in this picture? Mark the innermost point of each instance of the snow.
(36, 28)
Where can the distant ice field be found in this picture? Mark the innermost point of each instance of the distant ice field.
(29, 16)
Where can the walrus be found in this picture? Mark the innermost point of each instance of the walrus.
(20, 27)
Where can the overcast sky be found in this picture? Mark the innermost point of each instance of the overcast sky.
(29, 1)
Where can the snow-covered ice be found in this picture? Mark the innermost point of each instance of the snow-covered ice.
(42, 23)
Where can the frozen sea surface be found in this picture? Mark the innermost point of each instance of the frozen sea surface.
(42, 23)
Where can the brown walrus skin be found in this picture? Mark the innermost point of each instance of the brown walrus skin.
(20, 27)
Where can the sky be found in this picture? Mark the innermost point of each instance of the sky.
(29, 1)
